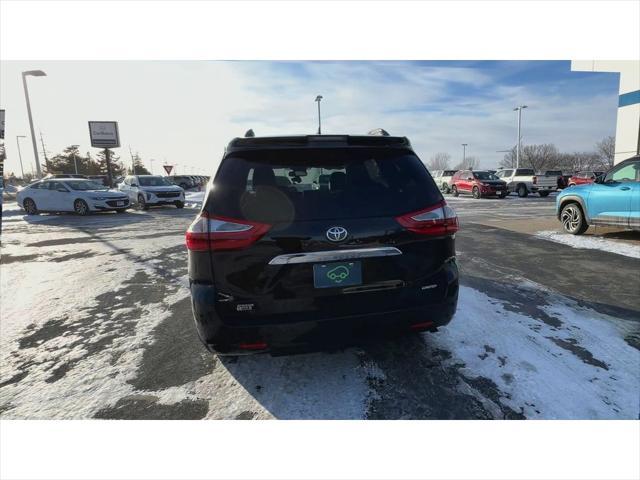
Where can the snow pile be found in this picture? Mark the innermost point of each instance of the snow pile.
(593, 243)
(581, 370)
(194, 199)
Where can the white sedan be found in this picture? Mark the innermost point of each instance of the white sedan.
(70, 195)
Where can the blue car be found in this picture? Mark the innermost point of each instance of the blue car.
(612, 200)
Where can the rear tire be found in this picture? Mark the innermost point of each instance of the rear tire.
(81, 207)
(30, 206)
(572, 219)
(445, 188)
(179, 204)
(476, 193)
(522, 191)
(454, 191)
(543, 194)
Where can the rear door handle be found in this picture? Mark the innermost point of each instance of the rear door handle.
(625, 188)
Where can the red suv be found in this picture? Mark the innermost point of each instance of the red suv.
(478, 183)
(581, 178)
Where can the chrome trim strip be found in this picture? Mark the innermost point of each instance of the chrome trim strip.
(334, 255)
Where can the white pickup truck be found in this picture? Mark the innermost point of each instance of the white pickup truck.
(524, 181)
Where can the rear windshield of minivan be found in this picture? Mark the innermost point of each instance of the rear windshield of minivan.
(319, 184)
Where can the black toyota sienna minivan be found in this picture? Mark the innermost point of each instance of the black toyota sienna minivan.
(306, 242)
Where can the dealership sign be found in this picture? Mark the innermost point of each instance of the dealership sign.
(104, 134)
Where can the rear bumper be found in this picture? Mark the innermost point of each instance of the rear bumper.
(220, 336)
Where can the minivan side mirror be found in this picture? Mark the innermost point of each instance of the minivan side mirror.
(599, 179)
(469, 178)
(134, 184)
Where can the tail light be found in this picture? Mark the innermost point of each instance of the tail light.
(535, 180)
(222, 233)
(439, 219)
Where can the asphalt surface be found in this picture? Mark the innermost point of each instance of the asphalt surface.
(96, 323)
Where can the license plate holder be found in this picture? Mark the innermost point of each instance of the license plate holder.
(337, 274)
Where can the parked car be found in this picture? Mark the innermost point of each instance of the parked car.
(524, 181)
(152, 190)
(77, 195)
(557, 174)
(443, 179)
(478, 183)
(183, 181)
(103, 179)
(65, 175)
(613, 199)
(582, 178)
(292, 268)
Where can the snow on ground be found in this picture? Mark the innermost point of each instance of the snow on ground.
(593, 243)
(194, 199)
(581, 370)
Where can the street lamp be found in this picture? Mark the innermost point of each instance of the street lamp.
(318, 98)
(32, 73)
(464, 153)
(519, 110)
(18, 137)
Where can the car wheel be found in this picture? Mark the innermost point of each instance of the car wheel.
(573, 220)
(476, 192)
(30, 206)
(81, 207)
(504, 195)
(179, 204)
(445, 188)
(142, 203)
(543, 194)
(454, 191)
(522, 191)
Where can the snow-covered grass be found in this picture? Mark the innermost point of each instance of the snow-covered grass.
(535, 375)
(593, 243)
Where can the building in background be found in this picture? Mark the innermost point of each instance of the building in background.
(628, 124)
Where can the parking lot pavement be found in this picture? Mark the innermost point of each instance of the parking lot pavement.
(96, 323)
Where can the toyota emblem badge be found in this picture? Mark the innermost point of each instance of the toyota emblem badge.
(337, 234)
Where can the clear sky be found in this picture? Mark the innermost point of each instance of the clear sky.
(185, 112)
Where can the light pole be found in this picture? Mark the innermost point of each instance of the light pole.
(519, 110)
(32, 73)
(18, 137)
(464, 153)
(318, 98)
(75, 158)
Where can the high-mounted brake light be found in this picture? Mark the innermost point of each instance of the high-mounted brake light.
(439, 219)
(222, 233)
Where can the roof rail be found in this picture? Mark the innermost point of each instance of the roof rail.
(381, 132)
(249, 133)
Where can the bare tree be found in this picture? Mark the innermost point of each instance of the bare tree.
(469, 163)
(579, 161)
(439, 161)
(539, 157)
(509, 159)
(606, 149)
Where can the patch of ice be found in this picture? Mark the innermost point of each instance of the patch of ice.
(593, 243)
